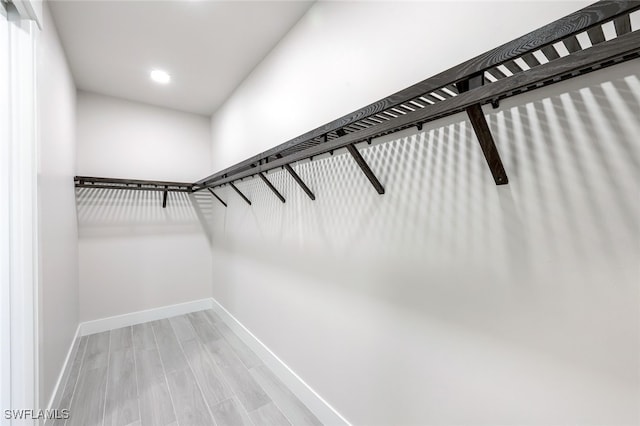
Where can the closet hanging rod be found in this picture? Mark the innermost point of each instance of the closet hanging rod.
(512, 64)
(564, 49)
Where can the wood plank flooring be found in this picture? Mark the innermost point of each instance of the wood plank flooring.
(182, 371)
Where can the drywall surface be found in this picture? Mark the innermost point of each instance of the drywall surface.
(135, 255)
(342, 56)
(125, 139)
(448, 300)
(57, 233)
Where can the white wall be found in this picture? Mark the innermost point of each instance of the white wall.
(344, 55)
(118, 138)
(135, 255)
(58, 236)
(448, 300)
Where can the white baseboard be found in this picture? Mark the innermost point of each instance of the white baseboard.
(118, 321)
(139, 317)
(321, 408)
(66, 364)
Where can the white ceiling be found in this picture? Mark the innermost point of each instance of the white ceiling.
(208, 47)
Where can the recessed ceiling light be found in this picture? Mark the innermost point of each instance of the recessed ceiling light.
(160, 76)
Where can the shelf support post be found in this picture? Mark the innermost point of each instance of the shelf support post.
(240, 193)
(482, 131)
(164, 197)
(216, 195)
(271, 187)
(365, 168)
(298, 179)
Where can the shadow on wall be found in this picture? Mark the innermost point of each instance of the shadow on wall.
(112, 212)
(555, 250)
(573, 162)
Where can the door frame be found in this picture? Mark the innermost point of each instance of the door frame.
(19, 363)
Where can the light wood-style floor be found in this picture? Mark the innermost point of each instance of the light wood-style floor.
(186, 370)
